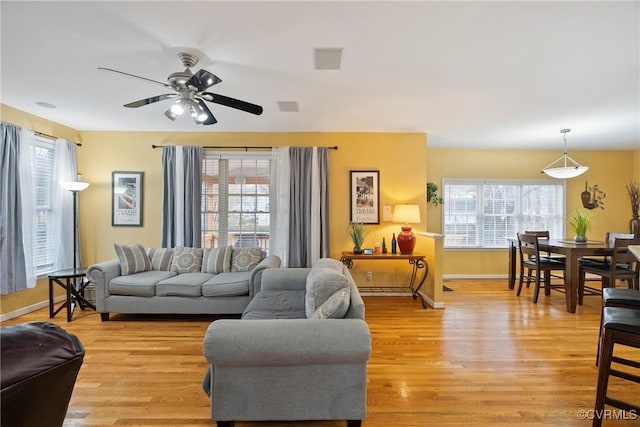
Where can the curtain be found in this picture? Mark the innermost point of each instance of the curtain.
(308, 227)
(65, 169)
(13, 274)
(281, 193)
(181, 196)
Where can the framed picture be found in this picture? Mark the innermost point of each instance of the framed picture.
(126, 198)
(365, 197)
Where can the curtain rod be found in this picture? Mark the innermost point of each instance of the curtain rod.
(246, 148)
(44, 135)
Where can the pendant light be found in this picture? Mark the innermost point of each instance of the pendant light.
(565, 171)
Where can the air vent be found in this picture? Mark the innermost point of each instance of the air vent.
(328, 58)
(288, 106)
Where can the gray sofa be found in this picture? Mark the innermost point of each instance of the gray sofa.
(178, 280)
(299, 352)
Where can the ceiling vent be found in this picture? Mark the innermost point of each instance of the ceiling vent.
(327, 58)
(288, 106)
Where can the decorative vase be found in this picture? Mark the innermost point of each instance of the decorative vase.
(580, 239)
(357, 250)
(406, 240)
(634, 226)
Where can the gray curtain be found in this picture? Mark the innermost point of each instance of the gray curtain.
(308, 222)
(181, 196)
(13, 274)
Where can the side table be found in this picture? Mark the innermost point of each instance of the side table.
(417, 261)
(74, 282)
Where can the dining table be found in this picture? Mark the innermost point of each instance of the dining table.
(572, 251)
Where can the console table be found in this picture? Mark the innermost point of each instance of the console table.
(417, 261)
(73, 281)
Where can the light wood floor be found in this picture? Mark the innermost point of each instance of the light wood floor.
(488, 359)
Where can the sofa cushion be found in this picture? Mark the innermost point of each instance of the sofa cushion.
(186, 260)
(133, 258)
(139, 284)
(245, 259)
(227, 284)
(335, 307)
(161, 258)
(278, 304)
(186, 284)
(214, 260)
(322, 282)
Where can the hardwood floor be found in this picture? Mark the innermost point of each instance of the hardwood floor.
(489, 359)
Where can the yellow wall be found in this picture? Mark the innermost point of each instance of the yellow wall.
(610, 170)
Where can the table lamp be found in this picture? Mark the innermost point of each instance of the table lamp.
(406, 214)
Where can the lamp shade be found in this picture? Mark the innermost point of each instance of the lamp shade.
(74, 186)
(406, 214)
(566, 172)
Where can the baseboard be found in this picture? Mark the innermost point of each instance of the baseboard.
(29, 309)
(474, 276)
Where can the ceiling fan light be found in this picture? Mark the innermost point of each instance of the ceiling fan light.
(170, 115)
(177, 108)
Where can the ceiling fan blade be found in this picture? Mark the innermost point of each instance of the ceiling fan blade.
(151, 100)
(210, 120)
(232, 102)
(202, 80)
(133, 75)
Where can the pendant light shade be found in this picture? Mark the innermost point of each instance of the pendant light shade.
(570, 168)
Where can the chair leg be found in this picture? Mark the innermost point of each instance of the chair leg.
(581, 278)
(547, 283)
(606, 352)
(536, 291)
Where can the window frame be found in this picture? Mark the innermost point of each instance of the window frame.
(480, 217)
(224, 209)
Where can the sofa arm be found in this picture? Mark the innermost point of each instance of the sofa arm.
(101, 274)
(283, 342)
(271, 261)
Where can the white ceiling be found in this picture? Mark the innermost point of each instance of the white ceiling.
(469, 74)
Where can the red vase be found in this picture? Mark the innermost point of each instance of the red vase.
(406, 240)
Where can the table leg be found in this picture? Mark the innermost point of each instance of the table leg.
(512, 265)
(571, 281)
(418, 264)
(69, 302)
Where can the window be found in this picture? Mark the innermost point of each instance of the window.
(484, 214)
(235, 200)
(43, 159)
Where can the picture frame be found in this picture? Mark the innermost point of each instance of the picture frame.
(365, 196)
(126, 198)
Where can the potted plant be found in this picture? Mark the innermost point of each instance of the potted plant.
(580, 222)
(432, 194)
(633, 189)
(357, 234)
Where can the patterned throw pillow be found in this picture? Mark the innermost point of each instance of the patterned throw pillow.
(215, 260)
(187, 260)
(161, 258)
(245, 259)
(335, 307)
(133, 258)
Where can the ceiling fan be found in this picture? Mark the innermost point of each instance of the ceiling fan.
(190, 93)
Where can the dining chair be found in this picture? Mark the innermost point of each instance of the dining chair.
(620, 326)
(617, 297)
(544, 234)
(532, 262)
(623, 265)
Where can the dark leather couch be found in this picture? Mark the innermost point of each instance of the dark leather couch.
(39, 363)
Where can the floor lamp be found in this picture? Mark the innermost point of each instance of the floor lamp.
(75, 187)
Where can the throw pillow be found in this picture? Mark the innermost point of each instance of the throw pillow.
(215, 260)
(322, 282)
(133, 258)
(329, 263)
(187, 260)
(335, 307)
(245, 259)
(161, 258)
